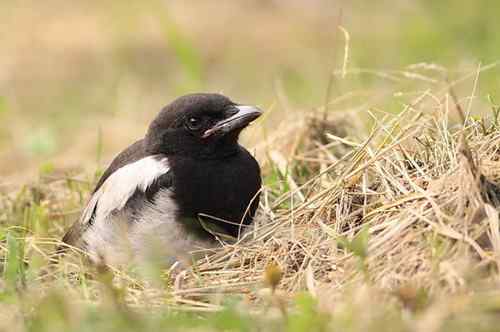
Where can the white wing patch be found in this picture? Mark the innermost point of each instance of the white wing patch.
(121, 185)
(108, 237)
(154, 234)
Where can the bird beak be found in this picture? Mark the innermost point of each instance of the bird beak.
(243, 116)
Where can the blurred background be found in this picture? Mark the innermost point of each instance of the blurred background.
(80, 80)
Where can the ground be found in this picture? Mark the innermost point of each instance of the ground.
(380, 151)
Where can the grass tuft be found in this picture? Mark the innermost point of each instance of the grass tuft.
(369, 220)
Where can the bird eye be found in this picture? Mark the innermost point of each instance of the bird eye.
(194, 123)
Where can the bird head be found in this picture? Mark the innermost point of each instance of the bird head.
(200, 125)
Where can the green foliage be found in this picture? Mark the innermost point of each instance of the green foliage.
(186, 53)
(46, 168)
(51, 314)
(3, 105)
(14, 272)
(358, 245)
(231, 320)
(307, 318)
(275, 181)
(41, 142)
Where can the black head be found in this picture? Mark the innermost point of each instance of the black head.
(200, 125)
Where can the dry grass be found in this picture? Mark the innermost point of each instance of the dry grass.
(382, 205)
(425, 190)
(405, 213)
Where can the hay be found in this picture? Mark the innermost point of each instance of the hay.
(423, 190)
(426, 191)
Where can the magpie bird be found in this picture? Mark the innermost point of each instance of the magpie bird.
(189, 165)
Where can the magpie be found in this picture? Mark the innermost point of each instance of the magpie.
(154, 196)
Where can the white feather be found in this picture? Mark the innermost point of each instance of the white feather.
(157, 232)
(121, 185)
(109, 232)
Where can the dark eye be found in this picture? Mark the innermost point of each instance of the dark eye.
(194, 123)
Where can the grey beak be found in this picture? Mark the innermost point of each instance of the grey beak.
(243, 116)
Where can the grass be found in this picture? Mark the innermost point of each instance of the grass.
(390, 223)
(380, 204)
